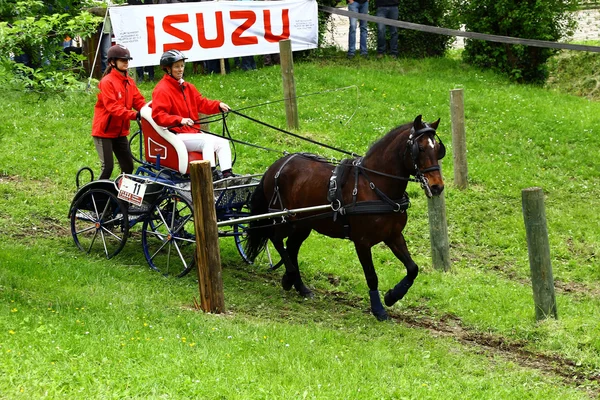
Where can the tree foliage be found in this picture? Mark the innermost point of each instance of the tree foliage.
(31, 35)
(549, 20)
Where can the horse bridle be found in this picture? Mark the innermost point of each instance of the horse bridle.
(413, 144)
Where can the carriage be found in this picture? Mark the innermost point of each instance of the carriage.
(362, 199)
(158, 197)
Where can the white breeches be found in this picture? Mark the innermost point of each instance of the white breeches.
(209, 145)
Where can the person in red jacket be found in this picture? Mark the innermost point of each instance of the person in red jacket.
(113, 112)
(176, 104)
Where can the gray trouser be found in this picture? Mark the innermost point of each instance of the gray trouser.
(120, 147)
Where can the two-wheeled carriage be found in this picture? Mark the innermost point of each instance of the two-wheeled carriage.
(103, 213)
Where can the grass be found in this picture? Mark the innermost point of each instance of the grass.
(80, 326)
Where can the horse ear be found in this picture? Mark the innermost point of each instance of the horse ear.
(418, 124)
(435, 124)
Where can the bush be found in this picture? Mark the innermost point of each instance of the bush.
(31, 52)
(530, 19)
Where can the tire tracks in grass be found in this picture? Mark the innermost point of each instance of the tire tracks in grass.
(451, 326)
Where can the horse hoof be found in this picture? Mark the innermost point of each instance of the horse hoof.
(382, 316)
(388, 299)
(306, 293)
(287, 283)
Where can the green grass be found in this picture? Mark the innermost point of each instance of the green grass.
(80, 326)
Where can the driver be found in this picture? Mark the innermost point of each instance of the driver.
(113, 111)
(177, 104)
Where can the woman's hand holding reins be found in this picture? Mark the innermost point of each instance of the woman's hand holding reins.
(187, 121)
(224, 107)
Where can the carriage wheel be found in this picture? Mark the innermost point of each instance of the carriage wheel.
(99, 223)
(240, 237)
(168, 236)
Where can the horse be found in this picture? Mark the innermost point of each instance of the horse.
(368, 204)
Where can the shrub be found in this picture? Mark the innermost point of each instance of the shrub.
(531, 19)
(31, 53)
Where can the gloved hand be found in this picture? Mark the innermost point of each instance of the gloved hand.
(187, 121)
(138, 116)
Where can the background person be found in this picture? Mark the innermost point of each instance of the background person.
(362, 7)
(113, 111)
(387, 9)
(177, 104)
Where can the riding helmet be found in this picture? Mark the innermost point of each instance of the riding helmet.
(118, 52)
(170, 57)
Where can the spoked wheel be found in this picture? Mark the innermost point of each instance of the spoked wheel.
(240, 237)
(169, 237)
(99, 222)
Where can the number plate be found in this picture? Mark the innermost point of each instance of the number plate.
(132, 191)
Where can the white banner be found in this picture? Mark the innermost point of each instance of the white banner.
(214, 29)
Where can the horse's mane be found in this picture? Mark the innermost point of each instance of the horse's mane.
(388, 138)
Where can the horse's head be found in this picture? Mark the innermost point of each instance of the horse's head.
(423, 152)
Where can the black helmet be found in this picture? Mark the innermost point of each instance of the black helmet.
(170, 57)
(118, 52)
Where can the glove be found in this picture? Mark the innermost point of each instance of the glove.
(138, 116)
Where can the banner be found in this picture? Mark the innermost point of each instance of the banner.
(214, 29)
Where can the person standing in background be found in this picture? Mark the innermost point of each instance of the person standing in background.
(362, 7)
(387, 9)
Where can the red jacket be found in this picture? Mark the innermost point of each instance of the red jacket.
(171, 102)
(113, 110)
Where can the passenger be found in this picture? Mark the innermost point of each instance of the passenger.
(177, 104)
(113, 111)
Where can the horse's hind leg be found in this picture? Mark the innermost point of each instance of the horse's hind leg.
(289, 257)
(293, 247)
(366, 260)
(398, 247)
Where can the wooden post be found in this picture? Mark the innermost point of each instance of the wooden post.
(459, 146)
(208, 258)
(438, 233)
(222, 65)
(539, 253)
(289, 85)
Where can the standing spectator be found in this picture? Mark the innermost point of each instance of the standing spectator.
(271, 59)
(139, 71)
(105, 44)
(362, 7)
(113, 111)
(246, 63)
(387, 9)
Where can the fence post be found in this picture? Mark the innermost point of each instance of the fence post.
(208, 258)
(539, 253)
(289, 85)
(438, 233)
(459, 146)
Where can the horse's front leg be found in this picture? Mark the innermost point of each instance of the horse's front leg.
(366, 260)
(398, 247)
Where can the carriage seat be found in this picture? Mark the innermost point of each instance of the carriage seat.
(163, 147)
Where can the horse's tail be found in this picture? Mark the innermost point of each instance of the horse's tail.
(259, 230)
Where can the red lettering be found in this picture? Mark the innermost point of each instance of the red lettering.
(210, 43)
(269, 31)
(236, 36)
(151, 35)
(186, 39)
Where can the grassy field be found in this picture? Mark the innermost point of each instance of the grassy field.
(80, 326)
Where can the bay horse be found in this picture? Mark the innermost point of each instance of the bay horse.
(368, 203)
